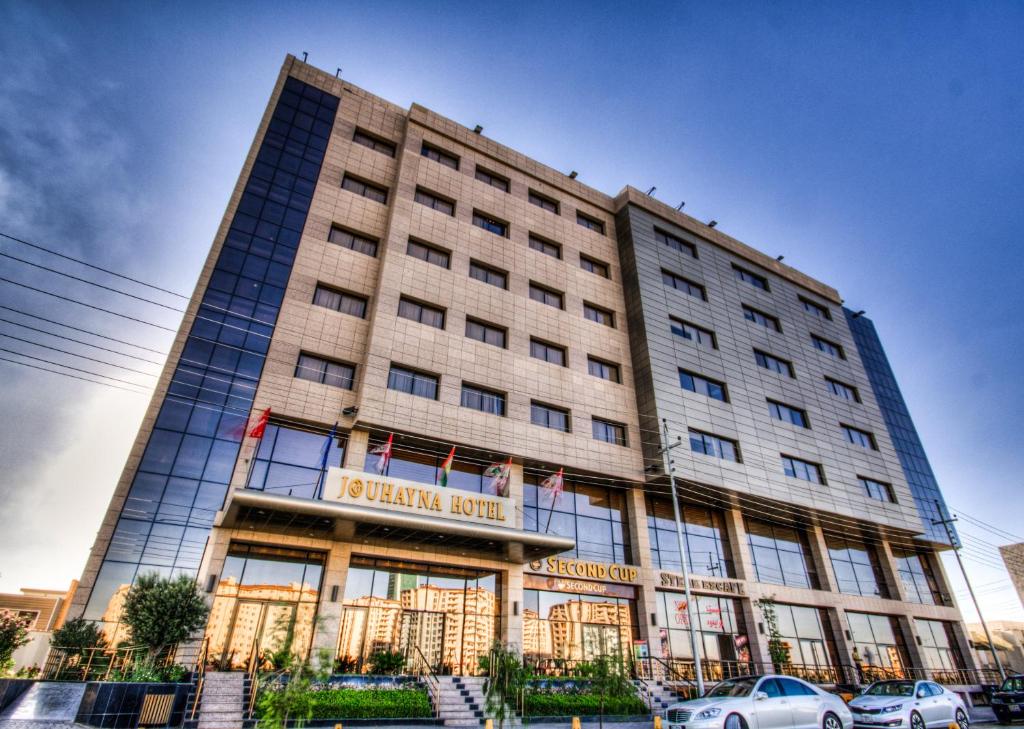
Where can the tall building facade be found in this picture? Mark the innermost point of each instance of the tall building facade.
(1013, 558)
(467, 362)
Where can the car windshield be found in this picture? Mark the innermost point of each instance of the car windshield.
(732, 687)
(891, 688)
(1014, 683)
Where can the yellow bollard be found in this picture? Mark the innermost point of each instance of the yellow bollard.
(489, 724)
(337, 726)
(575, 722)
(657, 722)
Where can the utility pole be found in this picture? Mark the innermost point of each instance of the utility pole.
(956, 550)
(683, 556)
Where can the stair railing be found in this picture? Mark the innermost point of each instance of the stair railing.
(200, 674)
(431, 679)
(252, 672)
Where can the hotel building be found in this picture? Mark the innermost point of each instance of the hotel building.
(386, 273)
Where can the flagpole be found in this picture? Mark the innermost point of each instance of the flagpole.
(318, 493)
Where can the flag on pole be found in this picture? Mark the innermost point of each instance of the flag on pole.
(554, 483)
(261, 425)
(384, 451)
(499, 473)
(324, 456)
(446, 468)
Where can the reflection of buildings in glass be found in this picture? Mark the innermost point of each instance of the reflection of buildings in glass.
(368, 624)
(536, 635)
(114, 631)
(579, 630)
(241, 613)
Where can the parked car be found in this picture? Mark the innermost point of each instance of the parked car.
(908, 704)
(761, 702)
(1008, 700)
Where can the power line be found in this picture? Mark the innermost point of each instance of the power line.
(75, 354)
(79, 341)
(68, 374)
(76, 369)
(91, 265)
(79, 329)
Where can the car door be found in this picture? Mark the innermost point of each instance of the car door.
(945, 706)
(804, 703)
(927, 705)
(772, 710)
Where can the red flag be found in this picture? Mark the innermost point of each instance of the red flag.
(553, 482)
(499, 474)
(261, 425)
(384, 451)
(446, 468)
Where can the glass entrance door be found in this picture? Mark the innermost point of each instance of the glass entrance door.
(602, 640)
(266, 628)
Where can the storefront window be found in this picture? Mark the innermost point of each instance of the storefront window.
(807, 639)
(707, 544)
(918, 579)
(939, 651)
(780, 555)
(289, 460)
(562, 629)
(595, 516)
(724, 643)
(444, 617)
(265, 602)
(856, 568)
(879, 649)
(426, 468)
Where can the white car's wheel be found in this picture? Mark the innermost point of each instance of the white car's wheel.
(831, 722)
(962, 720)
(916, 722)
(735, 721)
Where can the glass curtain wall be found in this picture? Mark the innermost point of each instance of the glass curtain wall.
(289, 460)
(856, 567)
(707, 544)
(561, 629)
(414, 465)
(879, 649)
(918, 578)
(805, 635)
(593, 515)
(781, 555)
(724, 642)
(939, 651)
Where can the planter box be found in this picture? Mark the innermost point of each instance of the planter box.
(115, 705)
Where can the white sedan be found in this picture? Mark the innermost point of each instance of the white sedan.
(761, 702)
(908, 704)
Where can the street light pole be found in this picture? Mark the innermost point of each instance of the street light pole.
(955, 543)
(684, 558)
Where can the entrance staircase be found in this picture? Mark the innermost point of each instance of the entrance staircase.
(461, 700)
(659, 695)
(223, 700)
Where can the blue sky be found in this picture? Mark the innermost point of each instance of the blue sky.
(878, 146)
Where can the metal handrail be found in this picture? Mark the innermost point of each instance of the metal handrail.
(200, 670)
(252, 672)
(433, 682)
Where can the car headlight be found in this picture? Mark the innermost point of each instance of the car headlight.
(708, 714)
(892, 709)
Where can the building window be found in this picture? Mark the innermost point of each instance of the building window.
(543, 201)
(859, 437)
(487, 333)
(435, 202)
(881, 646)
(773, 363)
(491, 225)
(317, 369)
(608, 431)
(683, 284)
(830, 348)
(915, 572)
(545, 246)
(604, 370)
(815, 309)
(781, 555)
(703, 385)
(788, 414)
(548, 416)
(594, 515)
(424, 466)
(439, 155)
(676, 244)
(704, 534)
(428, 253)
(759, 317)
(353, 241)
(591, 223)
(720, 630)
(491, 178)
(422, 313)
(698, 335)
(366, 189)
(856, 567)
(412, 382)
(803, 470)
(486, 401)
(488, 274)
(847, 392)
(878, 490)
(754, 279)
(596, 313)
(288, 460)
(713, 445)
(545, 295)
(341, 301)
(551, 353)
(805, 635)
(594, 266)
(938, 648)
(377, 144)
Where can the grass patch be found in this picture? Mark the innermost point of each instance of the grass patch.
(344, 703)
(544, 703)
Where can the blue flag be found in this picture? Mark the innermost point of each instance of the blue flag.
(323, 461)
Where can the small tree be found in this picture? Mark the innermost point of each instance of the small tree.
(776, 646)
(13, 635)
(77, 636)
(506, 681)
(386, 663)
(162, 612)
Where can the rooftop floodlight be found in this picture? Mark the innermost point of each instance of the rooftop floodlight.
(651, 191)
(337, 74)
(350, 411)
(477, 129)
(858, 314)
(572, 175)
(305, 55)
(712, 223)
(681, 205)
(779, 258)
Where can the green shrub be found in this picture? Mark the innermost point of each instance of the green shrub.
(386, 663)
(370, 704)
(544, 703)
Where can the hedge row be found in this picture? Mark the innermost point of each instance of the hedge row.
(559, 704)
(371, 704)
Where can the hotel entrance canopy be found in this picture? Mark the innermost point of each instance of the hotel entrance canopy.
(358, 523)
